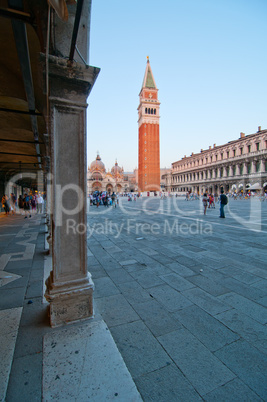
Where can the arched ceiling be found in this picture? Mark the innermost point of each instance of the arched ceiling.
(22, 98)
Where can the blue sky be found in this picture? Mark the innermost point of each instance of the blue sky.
(209, 62)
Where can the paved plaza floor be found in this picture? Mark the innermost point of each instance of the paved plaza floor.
(180, 307)
(184, 295)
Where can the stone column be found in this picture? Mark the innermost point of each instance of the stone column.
(254, 166)
(48, 212)
(262, 166)
(231, 170)
(69, 288)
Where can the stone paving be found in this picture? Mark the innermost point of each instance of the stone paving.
(23, 316)
(78, 362)
(184, 295)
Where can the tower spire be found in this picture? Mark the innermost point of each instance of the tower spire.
(149, 81)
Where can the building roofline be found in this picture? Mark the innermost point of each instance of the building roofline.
(245, 137)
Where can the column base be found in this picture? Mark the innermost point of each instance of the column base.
(69, 302)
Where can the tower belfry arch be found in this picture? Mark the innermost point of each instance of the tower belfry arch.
(148, 127)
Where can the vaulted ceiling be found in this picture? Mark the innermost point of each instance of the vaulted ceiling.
(22, 98)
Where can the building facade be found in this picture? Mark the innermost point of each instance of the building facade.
(148, 126)
(116, 180)
(237, 166)
(164, 183)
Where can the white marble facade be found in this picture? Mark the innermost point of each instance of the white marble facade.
(236, 166)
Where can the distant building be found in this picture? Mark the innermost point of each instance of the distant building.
(98, 179)
(148, 123)
(165, 175)
(237, 166)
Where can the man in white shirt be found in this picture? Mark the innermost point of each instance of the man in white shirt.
(40, 202)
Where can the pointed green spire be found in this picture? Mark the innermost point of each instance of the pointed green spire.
(149, 79)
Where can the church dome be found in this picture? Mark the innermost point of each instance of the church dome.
(97, 165)
(116, 170)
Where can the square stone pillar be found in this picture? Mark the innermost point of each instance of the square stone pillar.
(69, 288)
(253, 167)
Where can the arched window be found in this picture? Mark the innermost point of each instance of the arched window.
(154, 111)
(146, 110)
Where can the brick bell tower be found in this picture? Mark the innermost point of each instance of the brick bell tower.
(148, 124)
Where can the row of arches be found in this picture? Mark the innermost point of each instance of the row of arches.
(97, 186)
(258, 166)
(150, 111)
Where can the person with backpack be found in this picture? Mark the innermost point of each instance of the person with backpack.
(223, 202)
(6, 204)
(26, 205)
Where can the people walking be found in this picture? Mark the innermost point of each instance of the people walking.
(33, 203)
(26, 206)
(113, 198)
(223, 202)
(5, 204)
(20, 204)
(205, 202)
(210, 198)
(40, 202)
(212, 203)
(13, 201)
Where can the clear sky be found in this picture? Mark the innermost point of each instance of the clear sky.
(209, 61)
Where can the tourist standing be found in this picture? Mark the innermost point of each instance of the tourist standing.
(113, 198)
(26, 205)
(13, 201)
(205, 202)
(223, 202)
(5, 204)
(21, 204)
(212, 205)
(40, 202)
(33, 203)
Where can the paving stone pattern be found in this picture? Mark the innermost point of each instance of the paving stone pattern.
(184, 296)
(22, 254)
